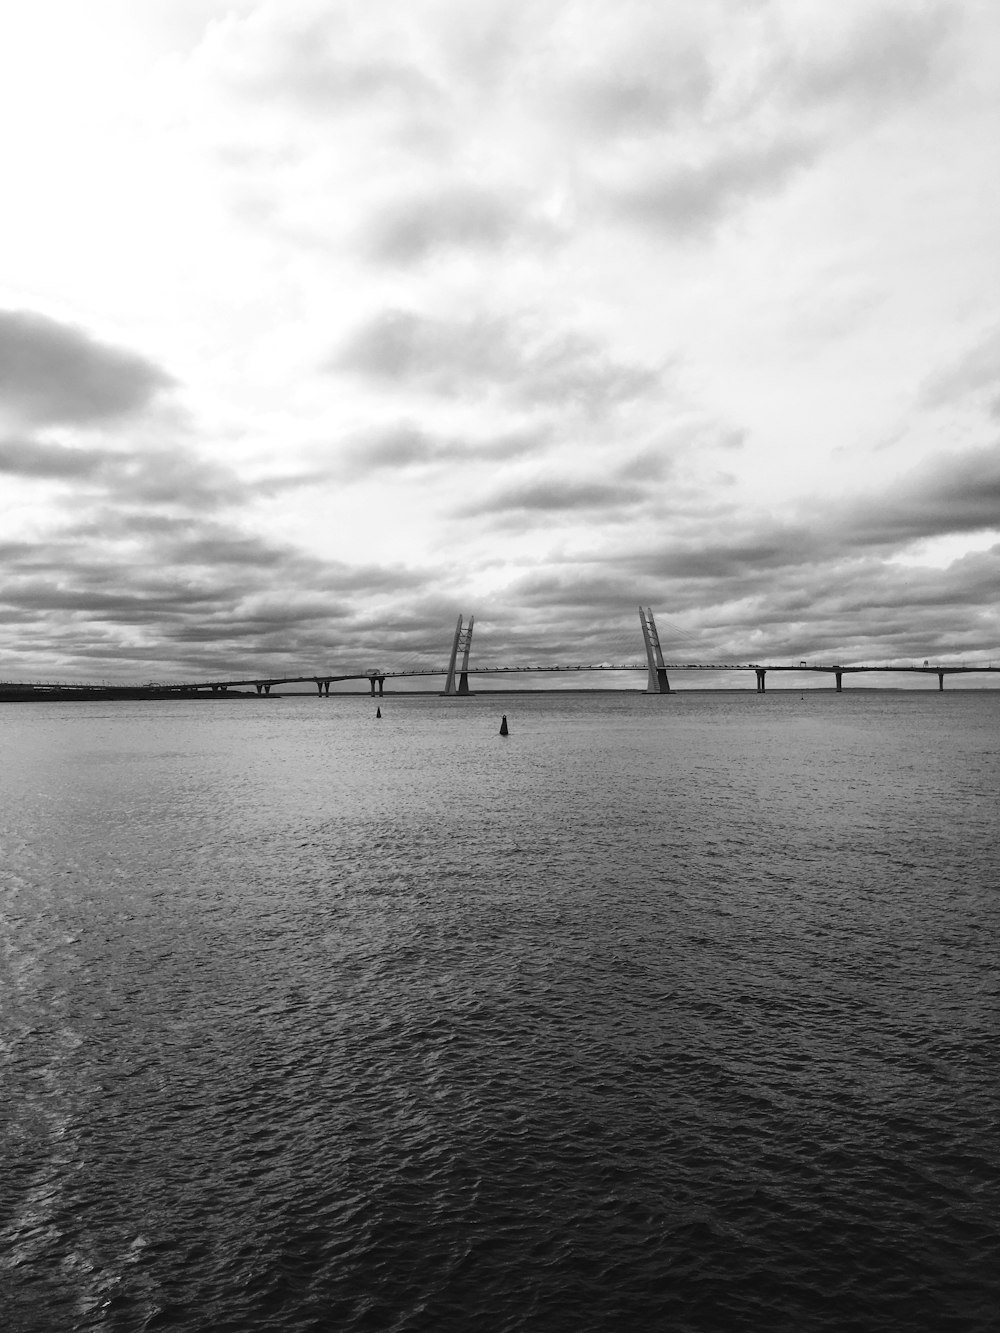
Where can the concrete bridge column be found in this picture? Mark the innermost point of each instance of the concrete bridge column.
(761, 673)
(840, 676)
(940, 680)
(260, 689)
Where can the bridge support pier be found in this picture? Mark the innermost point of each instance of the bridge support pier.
(380, 682)
(840, 676)
(322, 687)
(761, 673)
(940, 680)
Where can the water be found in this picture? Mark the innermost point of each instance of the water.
(662, 1013)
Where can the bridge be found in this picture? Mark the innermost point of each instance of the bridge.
(460, 668)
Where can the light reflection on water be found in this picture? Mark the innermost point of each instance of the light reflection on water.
(664, 1012)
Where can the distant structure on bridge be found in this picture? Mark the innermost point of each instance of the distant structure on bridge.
(462, 643)
(657, 682)
(459, 670)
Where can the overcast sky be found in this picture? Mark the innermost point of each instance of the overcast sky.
(321, 323)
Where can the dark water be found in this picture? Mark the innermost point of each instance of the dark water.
(663, 1013)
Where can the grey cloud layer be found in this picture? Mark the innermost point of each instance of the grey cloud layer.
(54, 374)
(407, 448)
(893, 52)
(701, 99)
(190, 596)
(412, 228)
(154, 476)
(553, 495)
(328, 61)
(822, 584)
(460, 357)
(472, 135)
(197, 595)
(977, 369)
(690, 200)
(959, 494)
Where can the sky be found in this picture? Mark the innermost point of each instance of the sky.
(324, 322)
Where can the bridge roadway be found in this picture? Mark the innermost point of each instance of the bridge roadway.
(836, 670)
(376, 678)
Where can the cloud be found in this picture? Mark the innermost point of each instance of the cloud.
(756, 113)
(544, 403)
(709, 107)
(174, 478)
(457, 358)
(156, 477)
(410, 229)
(643, 92)
(957, 493)
(977, 369)
(318, 59)
(406, 447)
(554, 495)
(689, 201)
(52, 462)
(841, 608)
(55, 374)
(891, 54)
(193, 595)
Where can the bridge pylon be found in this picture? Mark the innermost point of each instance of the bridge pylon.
(462, 643)
(658, 682)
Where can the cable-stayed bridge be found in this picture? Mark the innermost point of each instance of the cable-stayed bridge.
(460, 667)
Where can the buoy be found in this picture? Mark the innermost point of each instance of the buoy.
(378, 712)
(503, 726)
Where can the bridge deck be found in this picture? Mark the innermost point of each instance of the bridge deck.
(324, 678)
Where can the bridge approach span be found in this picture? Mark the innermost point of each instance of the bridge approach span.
(376, 678)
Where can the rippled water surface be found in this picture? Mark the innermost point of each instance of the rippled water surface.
(673, 1013)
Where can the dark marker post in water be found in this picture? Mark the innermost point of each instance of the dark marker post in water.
(503, 725)
(378, 712)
